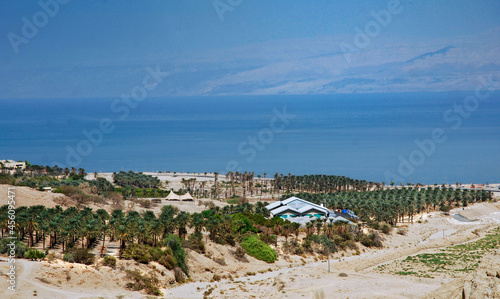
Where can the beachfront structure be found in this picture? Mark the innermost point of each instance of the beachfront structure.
(297, 207)
(185, 197)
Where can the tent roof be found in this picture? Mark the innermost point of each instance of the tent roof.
(173, 196)
(186, 196)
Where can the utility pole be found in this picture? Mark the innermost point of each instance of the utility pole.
(328, 252)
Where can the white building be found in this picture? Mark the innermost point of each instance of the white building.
(11, 164)
(297, 207)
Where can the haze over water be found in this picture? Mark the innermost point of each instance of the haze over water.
(357, 135)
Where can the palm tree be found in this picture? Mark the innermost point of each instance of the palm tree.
(196, 222)
(287, 229)
(103, 217)
(309, 228)
(180, 222)
(319, 224)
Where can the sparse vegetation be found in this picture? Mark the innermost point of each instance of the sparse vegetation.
(109, 261)
(150, 284)
(458, 258)
(79, 255)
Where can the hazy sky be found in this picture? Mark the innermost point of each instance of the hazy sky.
(101, 48)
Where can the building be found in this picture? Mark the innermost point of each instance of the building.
(302, 211)
(297, 207)
(12, 164)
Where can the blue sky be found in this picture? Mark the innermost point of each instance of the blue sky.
(101, 48)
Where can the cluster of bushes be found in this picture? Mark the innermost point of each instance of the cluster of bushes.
(259, 249)
(327, 245)
(371, 240)
(194, 242)
(34, 254)
(174, 243)
(19, 247)
(150, 284)
(240, 254)
(7, 179)
(79, 255)
(145, 254)
(78, 195)
(315, 243)
(174, 255)
(381, 226)
(109, 261)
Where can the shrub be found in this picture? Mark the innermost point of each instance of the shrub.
(372, 240)
(346, 244)
(79, 255)
(145, 254)
(193, 244)
(216, 277)
(20, 247)
(178, 251)
(445, 209)
(6, 179)
(140, 253)
(258, 249)
(168, 261)
(241, 224)
(221, 261)
(142, 282)
(377, 240)
(179, 274)
(328, 245)
(240, 253)
(145, 203)
(269, 239)
(109, 261)
(402, 231)
(34, 254)
(373, 224)
(386, 228)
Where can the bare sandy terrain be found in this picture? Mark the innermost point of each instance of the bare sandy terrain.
(26, 196)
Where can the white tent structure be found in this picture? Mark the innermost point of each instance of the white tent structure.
(173, 196)
(186, 197)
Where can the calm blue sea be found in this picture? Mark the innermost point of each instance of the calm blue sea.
(365, 136)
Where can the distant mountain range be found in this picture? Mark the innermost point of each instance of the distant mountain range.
(305, 66)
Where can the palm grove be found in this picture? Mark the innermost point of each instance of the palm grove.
(163, 237)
